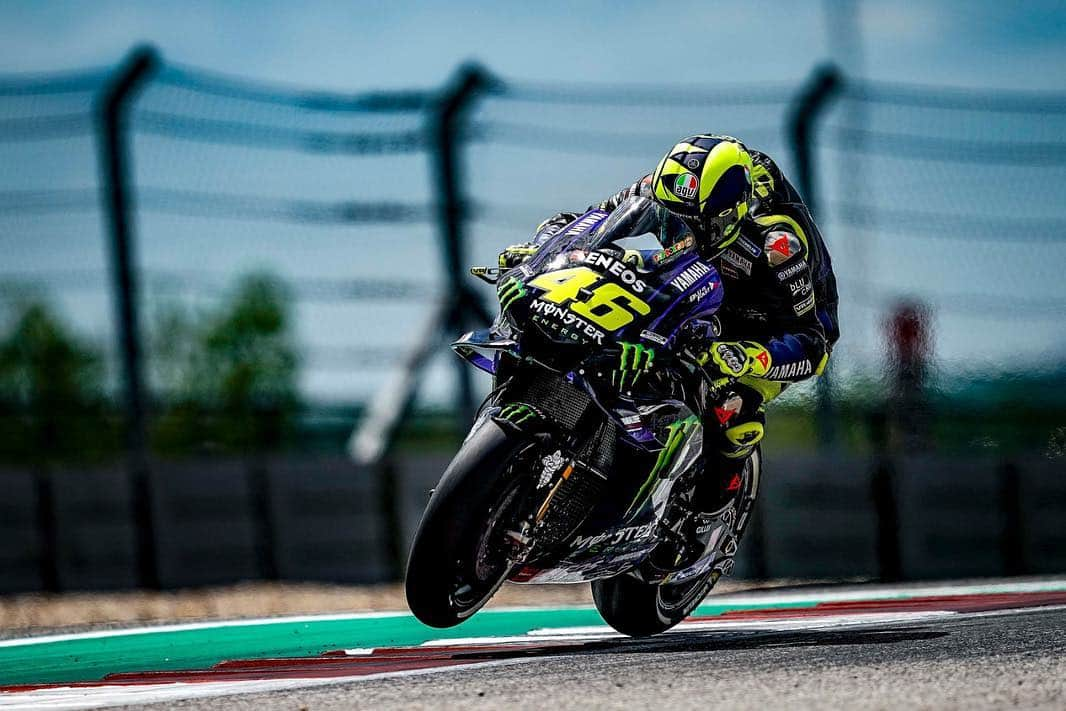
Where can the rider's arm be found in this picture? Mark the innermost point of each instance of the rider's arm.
(800, 348)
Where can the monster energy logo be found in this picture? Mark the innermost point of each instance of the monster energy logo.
(510, 290)
(636, 359)
(517, 413)
(676, 433)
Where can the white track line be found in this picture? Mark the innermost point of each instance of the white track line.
(104, 696)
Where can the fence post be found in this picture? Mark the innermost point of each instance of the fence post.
(112, 114)
(448, 128)
(804, 117)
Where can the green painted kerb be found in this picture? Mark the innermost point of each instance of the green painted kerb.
(168, 650)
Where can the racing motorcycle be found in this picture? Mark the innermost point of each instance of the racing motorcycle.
(582, 462)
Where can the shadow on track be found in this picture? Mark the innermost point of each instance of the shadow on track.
(711, 641)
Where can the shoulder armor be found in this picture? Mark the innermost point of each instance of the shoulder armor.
(781, 246)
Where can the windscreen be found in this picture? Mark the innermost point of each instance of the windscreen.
(639, 216)
(635, 217)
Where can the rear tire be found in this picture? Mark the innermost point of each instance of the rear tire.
(451, 572)
(640, 609)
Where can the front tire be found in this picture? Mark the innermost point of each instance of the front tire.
(640, 609)
(454, 567)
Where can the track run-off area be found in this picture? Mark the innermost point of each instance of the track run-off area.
(364, 660)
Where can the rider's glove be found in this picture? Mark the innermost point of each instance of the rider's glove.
(516, 254)
(736, 359)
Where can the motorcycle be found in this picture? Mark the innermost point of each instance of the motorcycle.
(582, 462)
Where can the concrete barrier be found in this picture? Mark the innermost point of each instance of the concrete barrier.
(327, 522)
(951, 517)
(817, 517)
(1042, 485)
(203, 521)
(96, 538)
(20, 542)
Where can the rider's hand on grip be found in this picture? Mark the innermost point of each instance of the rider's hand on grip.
(516, 254)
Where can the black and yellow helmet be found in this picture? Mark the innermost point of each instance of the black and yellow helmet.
(706, 180)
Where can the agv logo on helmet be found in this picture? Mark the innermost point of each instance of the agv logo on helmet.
(686, 186)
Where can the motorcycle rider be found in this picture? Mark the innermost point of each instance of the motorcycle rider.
(778, 321)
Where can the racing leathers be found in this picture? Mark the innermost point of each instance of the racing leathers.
(777, 324)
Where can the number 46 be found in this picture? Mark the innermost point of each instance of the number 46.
(600, 306)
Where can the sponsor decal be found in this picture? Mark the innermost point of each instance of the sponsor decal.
(586, 222)
(728, 271)
(786, 274)
(742, 263)
(518, 413)
(665, 255)
(564, 323)
(728, 408)
(612, 538)
(749, 246)
(703, 291)
(804, 306)
(693, 163)
(693, 273)
(686, 185)
(734, 483)
(800, 287)
(763, 358)
(635, 359)
(653, 337)
(617, 268)
(509, 291)
(790, 370)
(552, 463)
(781, 246)
(728, 355)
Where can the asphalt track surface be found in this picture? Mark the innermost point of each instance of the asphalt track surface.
(943, 646)
(991, 661)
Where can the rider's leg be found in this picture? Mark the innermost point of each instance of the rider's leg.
(732, 427)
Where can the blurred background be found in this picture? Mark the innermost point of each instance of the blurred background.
(234, 239)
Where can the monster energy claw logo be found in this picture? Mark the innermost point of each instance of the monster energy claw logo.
(636, 359)
(676, 432)
(517, 413)
(510, 290)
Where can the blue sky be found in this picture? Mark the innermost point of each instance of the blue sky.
(360, 46)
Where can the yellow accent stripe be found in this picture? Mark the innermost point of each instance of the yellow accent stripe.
(763, 181)
(667, 166)
(821, 365)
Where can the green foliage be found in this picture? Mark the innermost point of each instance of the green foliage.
(51, 384)
(228, 375)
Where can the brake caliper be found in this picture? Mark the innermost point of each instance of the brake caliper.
(635, 360)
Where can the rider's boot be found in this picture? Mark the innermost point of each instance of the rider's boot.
(722, 501)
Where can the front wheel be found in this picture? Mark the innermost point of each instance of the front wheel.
(640, 609)
(461, 553)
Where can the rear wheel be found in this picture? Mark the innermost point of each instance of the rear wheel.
(641, 609)
(462, 551)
